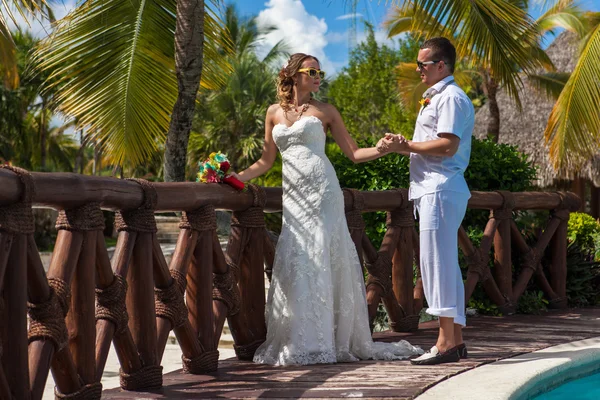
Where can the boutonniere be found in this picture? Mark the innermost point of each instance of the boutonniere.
(425, 102)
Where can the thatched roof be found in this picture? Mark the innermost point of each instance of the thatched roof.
(526, 129)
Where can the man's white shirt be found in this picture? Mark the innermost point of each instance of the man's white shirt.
(449, 111)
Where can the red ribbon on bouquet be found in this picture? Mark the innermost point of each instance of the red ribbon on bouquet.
(214, 170)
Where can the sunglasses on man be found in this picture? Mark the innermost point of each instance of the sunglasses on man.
(422, 65)
(313, 72)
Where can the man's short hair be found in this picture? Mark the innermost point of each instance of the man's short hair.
(441, 49)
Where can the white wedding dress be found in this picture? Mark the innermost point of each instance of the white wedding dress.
(316, 308)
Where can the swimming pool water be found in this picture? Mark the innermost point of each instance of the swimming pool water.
(586, 388)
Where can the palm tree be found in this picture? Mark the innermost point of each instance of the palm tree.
(232, 119)
(117, 68)
(573, 130)
(8, 48)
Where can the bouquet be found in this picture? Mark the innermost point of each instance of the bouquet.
(214, 170)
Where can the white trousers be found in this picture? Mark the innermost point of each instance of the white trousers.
(440, 216)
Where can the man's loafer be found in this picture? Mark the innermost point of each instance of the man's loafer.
(462, 350)
(434, 357)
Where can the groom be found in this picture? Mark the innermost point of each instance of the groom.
(439, 154)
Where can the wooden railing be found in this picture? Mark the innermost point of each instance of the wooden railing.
(86, 301)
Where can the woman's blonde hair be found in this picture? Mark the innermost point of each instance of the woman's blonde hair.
(285, 81)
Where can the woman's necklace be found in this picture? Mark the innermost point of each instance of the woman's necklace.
(303, 109)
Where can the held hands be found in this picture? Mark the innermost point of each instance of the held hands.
(392, 143)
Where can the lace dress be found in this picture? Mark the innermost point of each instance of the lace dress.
(316, 308)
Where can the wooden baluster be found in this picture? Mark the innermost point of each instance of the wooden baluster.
(558, 267)
(245, 250)
(40, 351)
(374, 292)
(418, 291)
(220, 309)
(469, 250)
(140, 300)
(62, 266)
(538, 251)
(5, 246)
(502, 244)
(186, 337)
(181, 260)
(14, 294)
(199, 292)
(81, 319)
(105, 329)
(502, 258)
(402, 221)
(125, 347)
(269, 251)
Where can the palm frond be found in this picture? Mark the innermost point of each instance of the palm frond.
(564, 14)
(111, 63)
(281, 49)
(410, 86)
(401, 20)
(494, 33)
(573, 130)
(551, 84)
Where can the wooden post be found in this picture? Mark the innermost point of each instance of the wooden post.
(40, 351)
(62, 266)
(14, 294)
(402, 273)
(124, 344)
(245, 252)
(558, 267)
(502, 259)
(140, 300)
(5, 246)
(418, 291)
(199, 292)
(595, 202)
(181, 260)
(81, 320)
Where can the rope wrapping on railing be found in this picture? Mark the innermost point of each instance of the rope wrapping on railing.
(91, 391)
(401, 218)
(380, 272)
(47, 319)
(508, 204)
(148, 377)
(169, 302)
(140, 219)
(478, 265)
(205, 362)
(110, 304)
(225, 289)
(200, 219)
(246, 352)
(17, 218)
(354, 217)
(252, 217)
(85, 218)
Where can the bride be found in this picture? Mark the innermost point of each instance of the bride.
(316, 308)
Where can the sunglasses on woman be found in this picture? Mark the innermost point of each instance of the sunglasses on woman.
(313, 72)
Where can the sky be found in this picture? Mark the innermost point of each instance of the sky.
(323, 27)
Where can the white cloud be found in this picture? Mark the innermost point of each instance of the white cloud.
(349, 16)
(302, 32)
(41, 28)
(337, 37)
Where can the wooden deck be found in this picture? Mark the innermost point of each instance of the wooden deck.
(488, 339)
